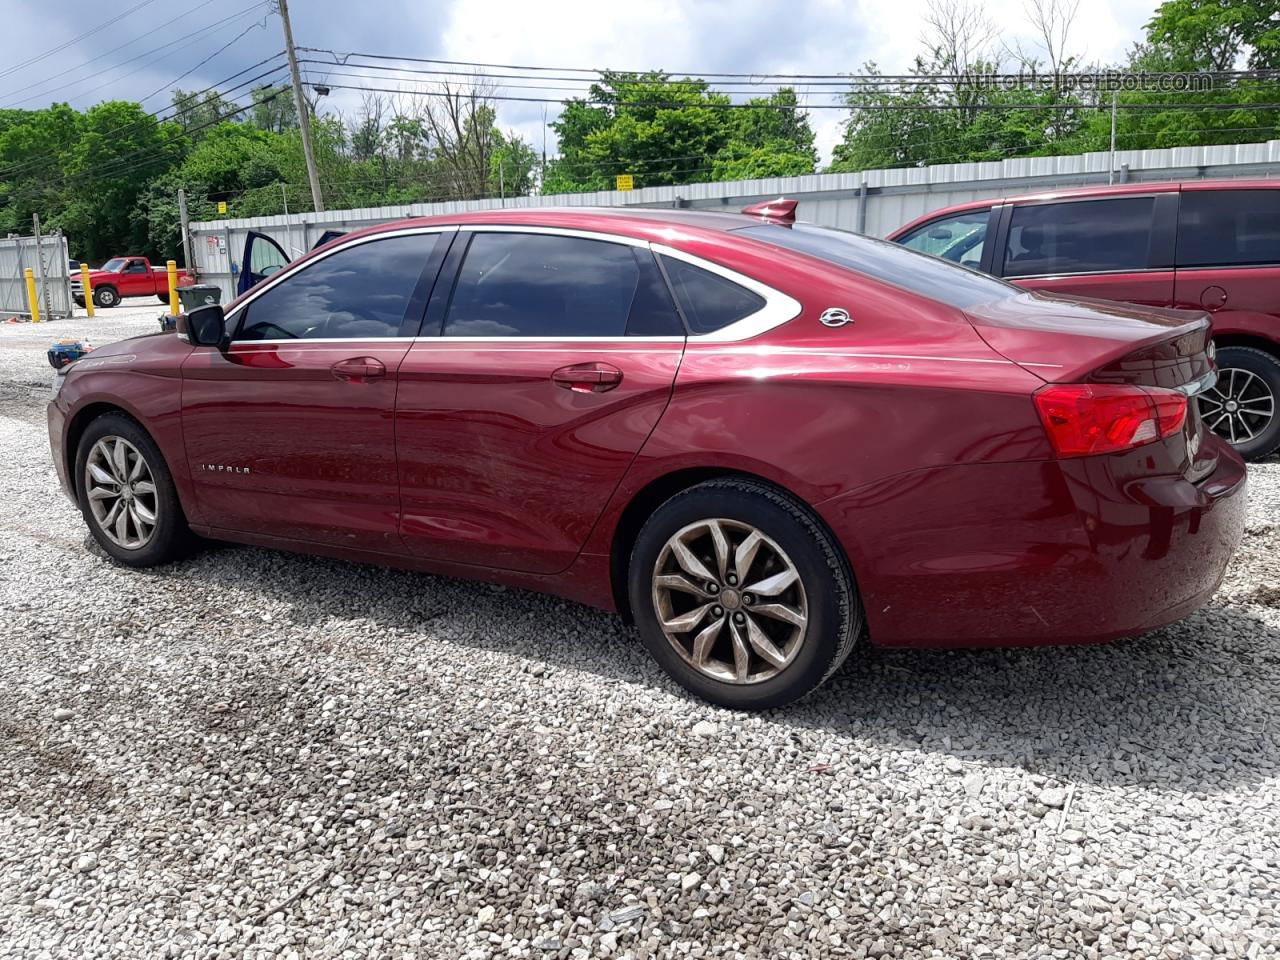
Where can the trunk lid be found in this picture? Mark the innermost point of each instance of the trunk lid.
(1082, 340)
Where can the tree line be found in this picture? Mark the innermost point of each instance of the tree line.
(108, 176)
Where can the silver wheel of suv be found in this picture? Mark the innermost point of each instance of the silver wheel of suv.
(730, 601)
(121, 492)
(1239, 407)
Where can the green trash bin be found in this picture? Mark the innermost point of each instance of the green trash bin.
(198, 295)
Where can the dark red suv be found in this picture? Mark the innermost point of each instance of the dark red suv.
(1205, 245)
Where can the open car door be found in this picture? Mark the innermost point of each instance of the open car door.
(262, 257)
(327, 236)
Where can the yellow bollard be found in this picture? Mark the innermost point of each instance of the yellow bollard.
(32, 299)
(173, 287)
(87, 287)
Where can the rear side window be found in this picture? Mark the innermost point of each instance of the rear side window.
(359, 293)
(709, 302)
(890, 262)
(959, 238)
(543, 285)
(1084, 236)
(1219, 228)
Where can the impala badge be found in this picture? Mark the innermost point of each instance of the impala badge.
(835, 317)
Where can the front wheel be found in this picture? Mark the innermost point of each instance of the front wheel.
(1241, 406)
(106, 296)
(741, 596)
(127, 495)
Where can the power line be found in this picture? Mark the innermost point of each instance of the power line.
(341, 59)
(178, 106)
(114, 18)
(183, 39)
(660, 105)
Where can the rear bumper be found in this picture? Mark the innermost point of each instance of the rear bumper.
(1037, 552)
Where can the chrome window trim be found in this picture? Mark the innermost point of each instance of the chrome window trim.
(297, 267)
(778, 307)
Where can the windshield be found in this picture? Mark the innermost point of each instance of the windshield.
(918, 272)
(114, 266)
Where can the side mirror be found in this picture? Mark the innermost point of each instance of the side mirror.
(204, 326)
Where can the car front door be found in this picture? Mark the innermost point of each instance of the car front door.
(137, 279)
(262, 258)
(289, 431)
(557, 357)
(1114, 248)
(960, 238)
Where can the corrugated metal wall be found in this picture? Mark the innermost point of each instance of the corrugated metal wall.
(872, 201)
(18, 253)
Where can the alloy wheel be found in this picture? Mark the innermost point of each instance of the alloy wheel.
(121, 492)
(1239, 406)
(730, 601)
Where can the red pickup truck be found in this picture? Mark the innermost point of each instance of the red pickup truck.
(126, 277)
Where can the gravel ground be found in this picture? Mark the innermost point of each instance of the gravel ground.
(256, 754)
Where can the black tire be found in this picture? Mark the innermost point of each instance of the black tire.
(835, 615)
(170, 536)
(1266, 368)
(163, 298)
(79, 301)
(106, 296)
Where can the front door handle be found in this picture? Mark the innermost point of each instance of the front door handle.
(358, 369)
(592, 377)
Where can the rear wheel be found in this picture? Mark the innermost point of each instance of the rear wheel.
(162, 297)
(106, 296)
(741, 596)
(127, 495)
(1242, 406)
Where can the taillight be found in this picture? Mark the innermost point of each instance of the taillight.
(1089, 418)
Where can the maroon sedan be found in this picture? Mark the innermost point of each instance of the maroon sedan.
(762, 440)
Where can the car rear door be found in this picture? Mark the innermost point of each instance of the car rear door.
(557, 355)
(1228, 257)
(289, 431)
(1113, 248)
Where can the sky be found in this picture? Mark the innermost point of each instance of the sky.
(144, 52)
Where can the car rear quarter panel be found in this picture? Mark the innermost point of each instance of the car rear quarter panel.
(908, 386)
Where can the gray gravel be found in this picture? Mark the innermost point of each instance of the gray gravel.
(256, 754)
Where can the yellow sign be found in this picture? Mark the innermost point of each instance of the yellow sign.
(222, 206)
(625, 181)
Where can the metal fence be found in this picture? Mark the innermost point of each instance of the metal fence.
(869, 201)
(49, 262)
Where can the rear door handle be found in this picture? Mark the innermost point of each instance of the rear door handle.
(358, 369)
(591, 377)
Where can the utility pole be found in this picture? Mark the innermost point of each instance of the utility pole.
(44, 287)
(300, 102)
(1111, 163)
(186, 229)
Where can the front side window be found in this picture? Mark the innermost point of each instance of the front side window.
(958, 238)
(136, 266)
(357, 293)
(1221, 228)
(881, 260)
(1083, 236)
(545, 285)
(265, 257)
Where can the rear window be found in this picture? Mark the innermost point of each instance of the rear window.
(1218, 228)
(918, 272)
